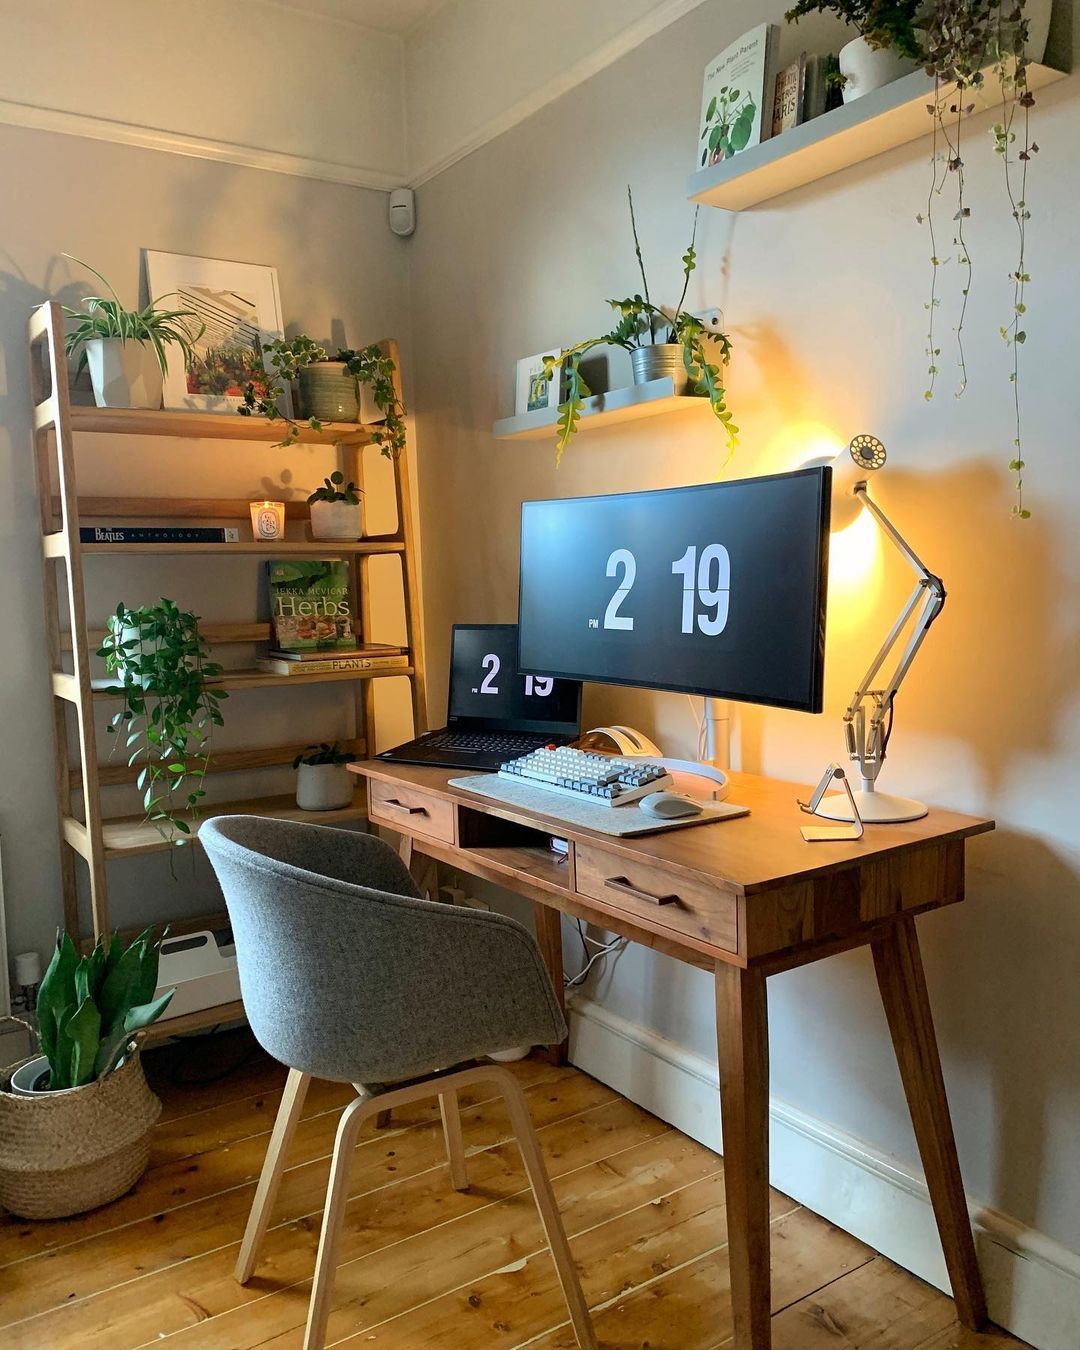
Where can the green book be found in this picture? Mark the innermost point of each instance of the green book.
(309, 605)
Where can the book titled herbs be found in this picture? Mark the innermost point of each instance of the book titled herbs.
(737, 98)
(310, 605)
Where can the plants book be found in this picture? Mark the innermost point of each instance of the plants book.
(737, 98)
(278, 666)
(309, 605)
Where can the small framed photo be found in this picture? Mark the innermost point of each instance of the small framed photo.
(240, 307)
(532, 389)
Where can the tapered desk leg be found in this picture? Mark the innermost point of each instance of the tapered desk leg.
(899, 967)
(742, 1036)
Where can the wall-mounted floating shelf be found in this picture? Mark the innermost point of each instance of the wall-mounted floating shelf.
(868, 126)
(653, 399)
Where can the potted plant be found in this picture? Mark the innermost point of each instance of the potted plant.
(169, 709)
(323, 783)
(75, 1121)
(125, 348)
(661, 341)
(335, 390)
(886, 48)
(335, 509)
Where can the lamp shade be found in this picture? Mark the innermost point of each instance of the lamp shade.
(864, 455)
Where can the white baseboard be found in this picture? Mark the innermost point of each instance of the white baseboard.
(1032, 1283)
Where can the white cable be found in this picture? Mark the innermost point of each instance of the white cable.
(699, 722)
(602, 949)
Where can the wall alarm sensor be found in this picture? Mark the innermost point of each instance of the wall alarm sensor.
(403, 211)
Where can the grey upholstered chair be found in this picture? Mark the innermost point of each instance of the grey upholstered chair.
(347, 974)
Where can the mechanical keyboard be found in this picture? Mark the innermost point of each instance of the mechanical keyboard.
(602, 779)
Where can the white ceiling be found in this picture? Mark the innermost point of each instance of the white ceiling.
(386, 16)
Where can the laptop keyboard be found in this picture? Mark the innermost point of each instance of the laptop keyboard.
(506, 742)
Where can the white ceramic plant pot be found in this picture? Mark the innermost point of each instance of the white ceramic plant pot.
(32, 1078)
(128, 634)
(124, 374)
(865, 67)
(323, 787)
(336, 520)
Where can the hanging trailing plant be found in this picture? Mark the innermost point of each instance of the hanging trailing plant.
(368, 365)
(643, 324)
(962, 39)
(169, 710)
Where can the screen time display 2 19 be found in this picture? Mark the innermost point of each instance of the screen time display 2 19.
(716, 590)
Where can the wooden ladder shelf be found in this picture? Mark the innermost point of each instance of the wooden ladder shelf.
(85, 832)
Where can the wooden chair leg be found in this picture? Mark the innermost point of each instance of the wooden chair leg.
(288, 1115)
(455, 1147)
(743, 1051)
(544, 1196)
(333, 1218)
(898, 963)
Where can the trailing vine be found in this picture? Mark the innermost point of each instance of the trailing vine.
(369, 365)
(962, 38)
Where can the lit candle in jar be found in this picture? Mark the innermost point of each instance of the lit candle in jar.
(268, 520)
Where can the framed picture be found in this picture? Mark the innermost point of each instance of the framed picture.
(533, 389)
(240, 306)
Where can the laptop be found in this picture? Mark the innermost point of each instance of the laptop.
(495, 713)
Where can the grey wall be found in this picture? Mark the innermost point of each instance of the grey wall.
(342, 276)
(517, 247)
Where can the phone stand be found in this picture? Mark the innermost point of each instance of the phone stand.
(819, 834)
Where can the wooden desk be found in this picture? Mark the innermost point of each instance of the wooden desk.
(742, 898)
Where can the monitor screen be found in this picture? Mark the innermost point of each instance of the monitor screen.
(485, 685)
(715, 590)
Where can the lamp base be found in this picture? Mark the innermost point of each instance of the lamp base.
(875, 808)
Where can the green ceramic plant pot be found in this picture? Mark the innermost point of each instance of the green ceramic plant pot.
(328, 393)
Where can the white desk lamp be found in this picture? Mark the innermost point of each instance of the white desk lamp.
(868, 737)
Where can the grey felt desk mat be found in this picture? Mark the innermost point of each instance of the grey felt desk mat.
(617, 820)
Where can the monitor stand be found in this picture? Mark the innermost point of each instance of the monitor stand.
(875, 808)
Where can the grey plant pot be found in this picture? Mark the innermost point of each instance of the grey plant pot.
(323, 787)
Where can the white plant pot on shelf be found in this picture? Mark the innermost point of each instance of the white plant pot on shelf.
(336, 520)
(323, 787)
(865, 68)
(124, 374)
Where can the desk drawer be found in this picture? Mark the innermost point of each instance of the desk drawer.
(646, 891)
(411, 810)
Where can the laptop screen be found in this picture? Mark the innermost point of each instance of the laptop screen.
(487, 691)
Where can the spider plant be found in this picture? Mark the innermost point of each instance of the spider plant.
(105, 317)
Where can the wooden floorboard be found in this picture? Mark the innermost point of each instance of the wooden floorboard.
(422, 1264)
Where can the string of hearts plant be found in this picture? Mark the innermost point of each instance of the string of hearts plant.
(962, 39)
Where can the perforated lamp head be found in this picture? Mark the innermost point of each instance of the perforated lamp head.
(865, 455)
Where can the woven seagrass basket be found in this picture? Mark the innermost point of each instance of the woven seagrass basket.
(63, 1153)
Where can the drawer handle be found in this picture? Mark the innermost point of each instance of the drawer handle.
(622, 884)
(402, 806)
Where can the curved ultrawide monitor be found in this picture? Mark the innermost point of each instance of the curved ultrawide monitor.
(716, 590)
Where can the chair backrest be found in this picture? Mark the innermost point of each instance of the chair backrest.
(347, 974)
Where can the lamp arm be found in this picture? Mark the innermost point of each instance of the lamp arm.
(866, 741)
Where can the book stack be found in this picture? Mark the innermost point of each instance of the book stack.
(369, 656)
(312, 622)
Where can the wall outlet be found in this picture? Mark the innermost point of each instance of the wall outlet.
(713, 319)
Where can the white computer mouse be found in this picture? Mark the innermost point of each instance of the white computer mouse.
(669, 805)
